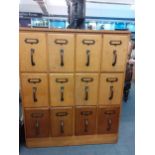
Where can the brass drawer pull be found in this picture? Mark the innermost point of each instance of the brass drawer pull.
(61, 57)
(31, 41)
(37, 115)
(88, 41)
(34, 94)
(87, 79)
(86, 113)
(61, 114)
(34, 80)
(32, 57)
(37, 127)
(111, 93)
(114, 58)
(111, 79)
(88, 57)
(61, 80)
(62, 93)
(109, 124)
(61, 41)
(115, 42)
(62, 126)
(110, 112)
(86, 125)
(86, 93)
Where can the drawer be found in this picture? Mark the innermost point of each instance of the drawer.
(33, 54)
(86, 88)
(34, 89)
(37, 123)
(85, 121)
(108, 120)
(114, 54)
(62, 89)
(88, 50)
(111, 88)
(61, 52)
(61, 122)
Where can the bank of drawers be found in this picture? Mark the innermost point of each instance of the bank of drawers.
(71, 83)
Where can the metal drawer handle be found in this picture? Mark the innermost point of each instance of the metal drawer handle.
(112, 79)
(86, 93)
(61, 80)
(110, 112)
(111, 93)
(62, 93)
(86, 125)
(34, 94)
(109, 124)
(86, 113)
(32, 57)
(37, 115)
(37, 127)
(87, 79)
(34, 80)
(61, 114)
(88, 57)
(61, 41)
(114, 58)
(115, 42)
(61, 57)
(88, 42)
(62, 126)
(31, 41)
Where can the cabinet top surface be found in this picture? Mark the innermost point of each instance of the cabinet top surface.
(73, 30)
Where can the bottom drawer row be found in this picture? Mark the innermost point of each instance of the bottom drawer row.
(64, 122)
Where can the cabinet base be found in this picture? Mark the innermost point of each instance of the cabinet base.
(72, 140)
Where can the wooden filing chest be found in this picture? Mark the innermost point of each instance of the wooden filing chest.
(72, 85)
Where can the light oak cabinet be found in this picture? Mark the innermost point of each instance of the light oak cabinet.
(71, 85)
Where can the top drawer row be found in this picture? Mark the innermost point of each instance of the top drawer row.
(66, 52)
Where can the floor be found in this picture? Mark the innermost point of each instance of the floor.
(125, 145)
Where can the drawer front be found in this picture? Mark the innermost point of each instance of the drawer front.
(114, 54)
(37, 123)
(111, 88)
(108, 120)
(88, 50)
(34, 89)
(85, 121)
(33, 54)
(86, 89)
(61, 52)
(62, 122)
(61, 89)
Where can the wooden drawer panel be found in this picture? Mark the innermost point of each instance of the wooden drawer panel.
(37, 123)
(88, 50)
(62, 122)
(61, 52)
(111, 88)
(34, 89)
(114, 52)
(62, 89)
(86, 88)
(33, 54)
(108, 120)
(85, 121)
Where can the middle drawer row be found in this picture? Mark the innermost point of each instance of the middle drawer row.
(70, 89)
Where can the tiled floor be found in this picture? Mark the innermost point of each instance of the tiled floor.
(125, 145)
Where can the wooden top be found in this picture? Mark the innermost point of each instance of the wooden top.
(73, 30)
